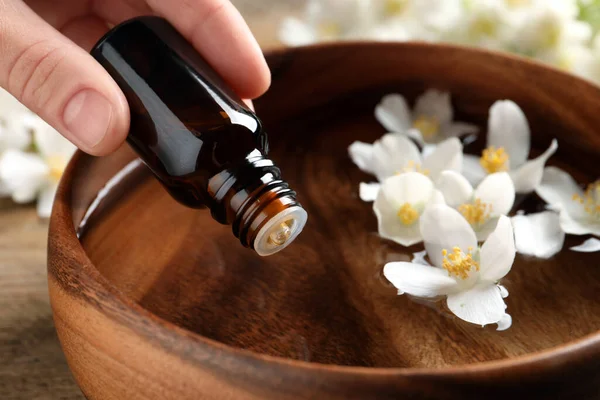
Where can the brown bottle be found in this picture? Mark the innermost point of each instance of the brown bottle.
(201, 141)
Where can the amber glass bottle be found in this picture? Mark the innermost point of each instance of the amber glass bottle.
(197, 136)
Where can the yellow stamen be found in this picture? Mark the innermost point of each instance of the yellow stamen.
(565, 62)
(590, 200)
(57, 166)
(458, 263)
(395, 7)
(429, 126)
(413, 166)
(517, 3)
(476, 213)
(329, 30)
(494, 160)
(484, 25)
(407, 214)
(550, 32)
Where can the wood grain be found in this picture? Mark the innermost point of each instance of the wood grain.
(32, 365)
(161, 302)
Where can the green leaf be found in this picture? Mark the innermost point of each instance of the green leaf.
(589, 11)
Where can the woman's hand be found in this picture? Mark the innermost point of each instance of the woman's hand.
(44, 59)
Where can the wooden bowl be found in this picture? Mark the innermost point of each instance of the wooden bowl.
(156, 301)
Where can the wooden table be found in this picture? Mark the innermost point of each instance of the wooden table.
(32, 365)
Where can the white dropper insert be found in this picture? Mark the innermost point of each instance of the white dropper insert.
(280, 231)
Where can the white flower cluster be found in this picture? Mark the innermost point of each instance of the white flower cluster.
(33, 155)
(453, 202)
(559, 32)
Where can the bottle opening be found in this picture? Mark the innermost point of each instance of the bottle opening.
(279, 231)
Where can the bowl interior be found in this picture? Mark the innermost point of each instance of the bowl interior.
(324, 299)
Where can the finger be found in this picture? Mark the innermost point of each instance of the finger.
(221, 35)
(85, 31)
(249, 104)
(58, 12)
(60, 81)
(117, 11)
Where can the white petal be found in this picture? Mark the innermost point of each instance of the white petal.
(443, 227)
(419, 258)
(4, 190)
(294, 32)
(436, 198)
(589, 246)
(434, 103)
(498, 252)
(368, 191)
(497, 190)
(529, 175)
(472, 169)
(575, 226)
(392, 154)
(481, 305)
(538, 235)
(459, 129)
(50, 143)
(14, 117)
(389, 227)
(446, 156)
(504, 323)
(389, 155)
(411, 187)
(24, 194)
(361, 154)
(416, 135)
(393, 113)
(45, 200)
(419, 280)
(427, 149)
(508, 128)
(503, 291)
(23, 174)
(484, 230)
(455, 188)
(558, 187)
(14, 139)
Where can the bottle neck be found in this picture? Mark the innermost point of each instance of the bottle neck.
(257, 203)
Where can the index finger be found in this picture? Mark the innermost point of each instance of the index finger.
(218, 31)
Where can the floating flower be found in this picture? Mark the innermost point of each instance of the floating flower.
(29, 176)
(538, 234)
(483, 206)
(508, 142)
(579, 210)
(467, 275)
(394, 153)
(400, 203)
(431, 121)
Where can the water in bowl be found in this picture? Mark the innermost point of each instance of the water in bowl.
(324, 298)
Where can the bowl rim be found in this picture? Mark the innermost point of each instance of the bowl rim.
(568, 353)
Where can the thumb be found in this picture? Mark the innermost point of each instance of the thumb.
(59, 81)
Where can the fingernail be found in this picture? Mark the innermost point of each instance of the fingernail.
(87, 116)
